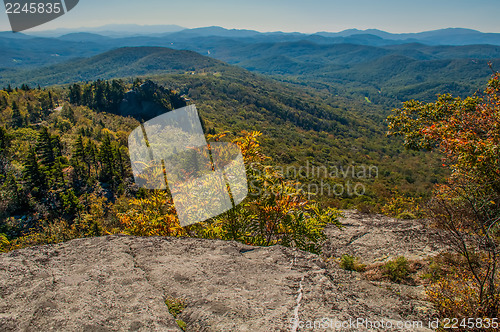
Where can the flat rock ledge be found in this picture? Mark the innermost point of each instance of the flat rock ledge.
(120, 283)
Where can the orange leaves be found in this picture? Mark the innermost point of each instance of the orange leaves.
(151, 216)
(457, 294)
(466, 130)
(275, 212)
(250, 146)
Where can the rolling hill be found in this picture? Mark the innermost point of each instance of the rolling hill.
(124, 62)
(298, 123)
(385, 68)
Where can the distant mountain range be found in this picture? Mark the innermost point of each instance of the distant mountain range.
(113, 30)
(245, 46)
(369, 63)
(449, 36)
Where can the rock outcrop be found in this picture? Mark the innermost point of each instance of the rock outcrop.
(120, 283)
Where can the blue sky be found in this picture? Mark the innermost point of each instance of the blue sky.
(285, 15)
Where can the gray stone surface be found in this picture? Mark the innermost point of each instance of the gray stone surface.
(120, 283)
(377, 238)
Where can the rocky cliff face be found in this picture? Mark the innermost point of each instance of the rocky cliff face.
(120, 283)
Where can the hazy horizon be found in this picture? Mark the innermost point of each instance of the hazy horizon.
(394, 16)
(122, 25)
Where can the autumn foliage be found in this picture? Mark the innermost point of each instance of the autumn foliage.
(275, 212)
(467, 133)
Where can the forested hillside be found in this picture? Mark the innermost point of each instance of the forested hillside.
(298, 123)
(65, 158)
(387, 69)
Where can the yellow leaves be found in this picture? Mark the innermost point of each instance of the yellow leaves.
(4, 242)
(152, 216)
(250, 146)
(276, 212)
(400, 204)
(155, 214)
(459, 293)
(4, 94)
(217, 137)
(107, 132)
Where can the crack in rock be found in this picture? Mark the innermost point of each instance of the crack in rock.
(296, 310)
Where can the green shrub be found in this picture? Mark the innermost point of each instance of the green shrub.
(175, 306)
(351, 263)
(397, 270)
(181, 324)
(434, 271)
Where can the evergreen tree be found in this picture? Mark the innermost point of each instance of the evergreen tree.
(75, 94)
(79, 160)
(87, 95)
(33, 175)
(79, 149)
(11, 192)
(115, 96)
(17, 119)
(45, 148)
(57, 176)
(99, 96)
(51, 101)
(45, 103)
(70, 203)
(120, 168)
(69, 114)
(106, 160)
(4, 141)
(91, 157)
(33, 116)
(57, 146)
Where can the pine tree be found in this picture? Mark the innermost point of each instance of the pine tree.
(4, 141)
(57, 175)
(120, 167)
(87, 96)
(106, 160)
(79, 161)
(75, 94)
(99, 96)
(46, 103)
(33, 175)
(79, 149)
(51, 101)
(14, 193)
(57, 145)
(45, 148)
(17, 119)
(33, 116)
(70, 203)
(91, 156)
(69, 114)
